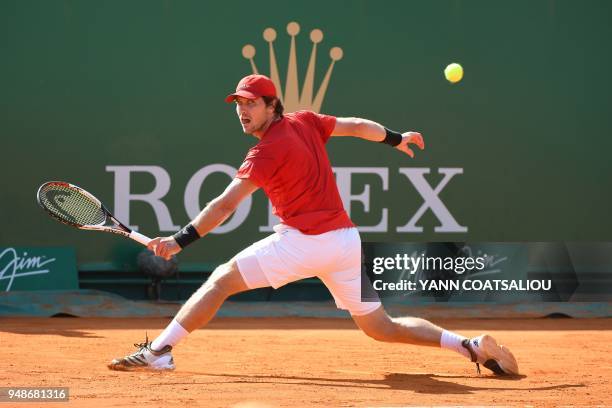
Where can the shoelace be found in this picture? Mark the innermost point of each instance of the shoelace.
(466, 343)
(141, 346)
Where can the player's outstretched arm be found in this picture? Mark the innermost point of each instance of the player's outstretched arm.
(215, 212)
(375, 132)
(219, 209)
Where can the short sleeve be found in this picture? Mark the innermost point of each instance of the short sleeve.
(325, 124)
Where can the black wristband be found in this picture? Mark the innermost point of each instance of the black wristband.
(392, 138)
(186, 236)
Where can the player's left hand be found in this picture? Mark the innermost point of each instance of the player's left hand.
(165, 247)
(409, 138)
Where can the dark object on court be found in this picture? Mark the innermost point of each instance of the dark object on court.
(158, 269)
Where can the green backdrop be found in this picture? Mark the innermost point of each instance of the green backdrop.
(87, 84)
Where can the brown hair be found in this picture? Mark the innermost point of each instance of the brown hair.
(278, 107)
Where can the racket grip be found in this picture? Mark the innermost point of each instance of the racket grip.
(138, 237)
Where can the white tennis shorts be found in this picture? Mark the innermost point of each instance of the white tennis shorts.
(288, 255)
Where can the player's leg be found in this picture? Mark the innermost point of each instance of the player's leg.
(411, 330)
(352, 291)
(371, 317)
(225, 281)
(201, 307)
(203, 304)
(240, 274)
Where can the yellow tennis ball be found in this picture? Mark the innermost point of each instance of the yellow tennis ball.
(453, 72)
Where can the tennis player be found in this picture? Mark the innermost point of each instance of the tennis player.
(315, 237)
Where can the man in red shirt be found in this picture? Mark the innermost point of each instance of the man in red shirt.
(315, 238)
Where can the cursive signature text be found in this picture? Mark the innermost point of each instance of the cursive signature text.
(18, 266)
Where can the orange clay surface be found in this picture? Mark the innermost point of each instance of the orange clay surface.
(269, 362)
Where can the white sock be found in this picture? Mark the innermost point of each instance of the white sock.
(452, 341)
(171, 335)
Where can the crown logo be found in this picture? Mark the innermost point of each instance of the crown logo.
(292, 99)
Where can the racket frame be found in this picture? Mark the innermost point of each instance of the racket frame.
(118, 227)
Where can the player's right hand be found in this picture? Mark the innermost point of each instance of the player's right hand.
(166, 247)
(409, 138)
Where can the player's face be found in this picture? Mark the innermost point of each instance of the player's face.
(254, 115)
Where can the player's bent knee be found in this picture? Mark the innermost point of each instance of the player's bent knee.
(377, 325)
(226, 280)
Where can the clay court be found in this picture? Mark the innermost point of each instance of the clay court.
(287, 362)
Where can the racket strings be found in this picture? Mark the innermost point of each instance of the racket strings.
(70, 205)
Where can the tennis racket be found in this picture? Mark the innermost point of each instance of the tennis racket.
(74, 206)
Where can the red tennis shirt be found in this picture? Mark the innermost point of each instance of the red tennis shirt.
(290, 163)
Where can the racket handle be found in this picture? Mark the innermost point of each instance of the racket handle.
(138, 237)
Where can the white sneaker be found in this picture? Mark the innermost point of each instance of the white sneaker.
(145, 359)
(485, 350)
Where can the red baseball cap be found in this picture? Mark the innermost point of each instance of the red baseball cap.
(252, 87)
